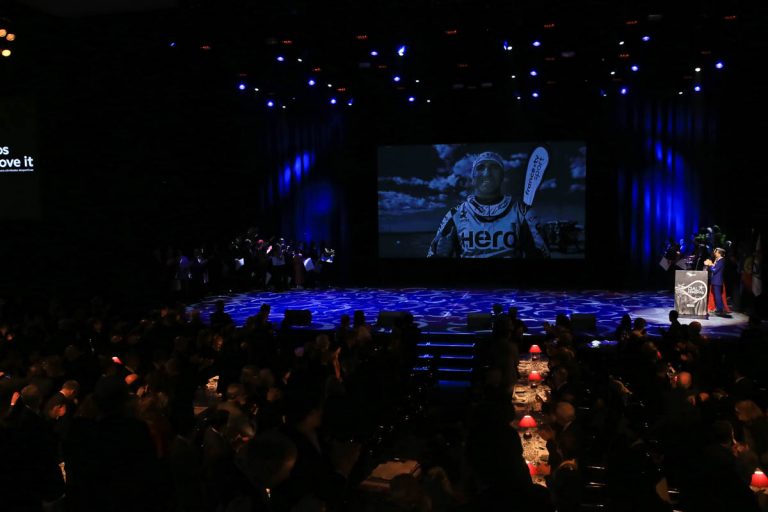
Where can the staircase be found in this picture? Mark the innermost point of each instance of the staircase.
(449, 356)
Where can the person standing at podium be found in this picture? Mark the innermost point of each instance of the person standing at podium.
(716, 279)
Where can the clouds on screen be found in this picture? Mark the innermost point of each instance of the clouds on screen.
(400, 203)
(579, 164)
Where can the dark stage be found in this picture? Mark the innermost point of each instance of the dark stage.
(445, 310)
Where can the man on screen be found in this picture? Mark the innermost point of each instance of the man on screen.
(488, 224)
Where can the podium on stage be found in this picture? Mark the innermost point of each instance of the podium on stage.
(691, 291)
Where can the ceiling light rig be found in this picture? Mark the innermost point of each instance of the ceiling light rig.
(539, 65)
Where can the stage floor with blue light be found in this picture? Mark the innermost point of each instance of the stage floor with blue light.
(445, 310)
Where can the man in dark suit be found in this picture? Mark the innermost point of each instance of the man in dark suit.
(716, 279)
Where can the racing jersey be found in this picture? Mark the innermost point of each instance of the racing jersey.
(499, 230)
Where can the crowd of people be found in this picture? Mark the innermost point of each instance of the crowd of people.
(101, 411)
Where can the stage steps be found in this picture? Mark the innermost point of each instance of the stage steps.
(450, 357)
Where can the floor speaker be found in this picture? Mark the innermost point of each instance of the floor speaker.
(583, 322)
(387, 319)
(479, 321)
(298, 317)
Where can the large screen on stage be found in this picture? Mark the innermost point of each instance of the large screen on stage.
(19, 173)
(498, 200)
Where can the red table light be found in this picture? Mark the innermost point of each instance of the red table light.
(527, 422)
(531, 468)
(759, 479)
(535, 349)
(534, 376)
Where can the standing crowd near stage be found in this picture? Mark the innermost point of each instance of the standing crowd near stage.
(250, 260)
(166, 412)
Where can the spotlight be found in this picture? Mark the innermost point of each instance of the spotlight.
(280, 58)
(697, 88)
(333, 101)
(411, 99)
(429, 101)
(613, 73)
(350, 102)
(621, 43)
(719, 64)
(171, 44)
(396, 78)
(697, 69)
(330, 86)
(535, 94)
(270, 103)
(401, 50)
(623, 91)
(646, 38)
(518, 97)
(3, 32)
(255, 89)
(514, 76)
(679, 93)
(603, 93)
(536, 43)
(417, 81)
(634, 68)
(241, 87)
(299, 60)
(6, 53)
(11, 37)
(311, 82)
(533, 72)
(374, 53)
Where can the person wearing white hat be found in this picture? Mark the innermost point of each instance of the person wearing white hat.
(488, 224)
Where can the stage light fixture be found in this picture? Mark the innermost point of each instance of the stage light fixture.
(241, 87)
(429, 101)
(171, 44)
(646, 38)
(535, 94)
(417, 81)
(621, 43)
(330, 86)
(401, 50)
(6, 53)
(374, 53)
(280, 58)
(270, 103)
(697, 69)
(11, 37)
(350, 102)
(3, 32)
(634, 67)
(411, 99)
(513, 77)
(679, 93)
(603, 94)
(299, 60)
(533, 72)
(623, 91)
(697, 88)
(396, 78)
(536, 43)
(311, 82)
(613, 73)
(518, 97)
(255, 89)
(719, 64)
(333, 101)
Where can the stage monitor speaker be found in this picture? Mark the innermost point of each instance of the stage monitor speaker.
(583, 322)
(298, 317)
(387, 319)
(479, 321)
